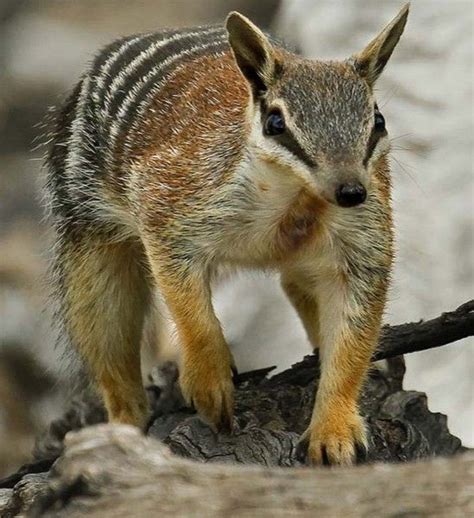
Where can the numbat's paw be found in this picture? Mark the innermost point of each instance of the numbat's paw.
(333, 442)
(207, 384)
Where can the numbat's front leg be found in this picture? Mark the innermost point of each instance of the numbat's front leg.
(349, 317)
(206, 361)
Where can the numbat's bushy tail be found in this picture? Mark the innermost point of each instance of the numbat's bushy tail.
(182, 151)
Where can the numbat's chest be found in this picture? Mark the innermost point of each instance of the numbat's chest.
(300, 222)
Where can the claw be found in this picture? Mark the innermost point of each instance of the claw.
(325, 456)
(323, 444)
(225, 426)
(362, 453)
(213, 402)
(235, 375)
(302, 450)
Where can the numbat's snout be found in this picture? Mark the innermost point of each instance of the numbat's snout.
(351, 194)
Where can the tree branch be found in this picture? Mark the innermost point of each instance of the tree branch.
(419, 336)
(413, 337)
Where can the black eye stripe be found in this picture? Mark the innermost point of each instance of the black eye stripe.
(286, 139)
(289, 141)
(378, 131)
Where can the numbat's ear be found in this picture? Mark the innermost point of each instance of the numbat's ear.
(372, 60)
(252, 51)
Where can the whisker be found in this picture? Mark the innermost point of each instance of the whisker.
(398, 137)
(418, 148)
(404, 167)
(391, 95)
(408, 149)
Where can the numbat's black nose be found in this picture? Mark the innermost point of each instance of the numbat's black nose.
(350, 194)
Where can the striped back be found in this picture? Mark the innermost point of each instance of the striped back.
(110, 101)
(127, 75)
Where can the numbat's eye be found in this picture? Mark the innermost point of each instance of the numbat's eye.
(274, 123)
(379, 121)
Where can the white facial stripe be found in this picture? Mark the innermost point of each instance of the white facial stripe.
(121, 79)
(262, 146)
(381, 147)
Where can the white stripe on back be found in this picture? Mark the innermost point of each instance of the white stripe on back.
(121, 78)
(133, 93)
(74, 156)
(109, 63)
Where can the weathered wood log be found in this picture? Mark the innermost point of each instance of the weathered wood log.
(113, 471)
(292, 392)
(272, 412)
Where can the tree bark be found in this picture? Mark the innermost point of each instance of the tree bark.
(113, 471)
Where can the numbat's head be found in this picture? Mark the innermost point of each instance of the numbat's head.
(318, 120)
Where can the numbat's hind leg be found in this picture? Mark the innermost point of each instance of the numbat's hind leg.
(105, 298)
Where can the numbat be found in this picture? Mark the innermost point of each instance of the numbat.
(184, 152)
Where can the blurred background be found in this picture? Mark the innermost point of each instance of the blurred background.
(426, 95)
